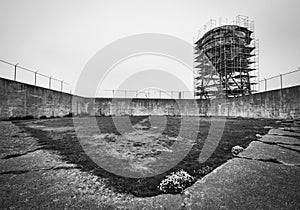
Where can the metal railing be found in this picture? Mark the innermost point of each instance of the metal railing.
(32, 77)
(147, 93)
(280, 81)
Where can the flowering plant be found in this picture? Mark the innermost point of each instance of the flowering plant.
(176, 182)
(236, 150)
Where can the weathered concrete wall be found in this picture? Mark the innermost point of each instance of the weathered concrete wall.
(19, 99)
(108, 106)
(284, 103)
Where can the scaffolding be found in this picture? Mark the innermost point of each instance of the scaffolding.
(226, 59)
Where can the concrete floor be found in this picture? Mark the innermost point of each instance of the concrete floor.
(263, 176)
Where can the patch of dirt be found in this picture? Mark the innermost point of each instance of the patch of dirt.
(139, 148)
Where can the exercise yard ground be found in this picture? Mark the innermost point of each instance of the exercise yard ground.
(43, 164)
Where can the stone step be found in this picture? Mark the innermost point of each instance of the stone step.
(248, 184)
(266, 152)
(283, 133)
(280, 139)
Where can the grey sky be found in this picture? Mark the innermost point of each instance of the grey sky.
(59, 37)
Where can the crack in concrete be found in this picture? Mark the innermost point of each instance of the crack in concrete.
(21, 154)
(41, 169)
(64, 167)
(269, 160)
(276, 143)
(288, 148)
(280, 144)
(296, 137)
(14, 172)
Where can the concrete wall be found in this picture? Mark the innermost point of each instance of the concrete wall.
(108, 106)
(19, 99)
(284, 104)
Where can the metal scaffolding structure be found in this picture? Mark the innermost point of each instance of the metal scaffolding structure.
(226, 59)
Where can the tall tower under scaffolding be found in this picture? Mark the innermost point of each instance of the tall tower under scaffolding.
(226, 59)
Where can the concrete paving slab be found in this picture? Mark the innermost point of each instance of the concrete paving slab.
(280, 139)
(33, 161)
(286, 123)
(268, 127)
(283, 133)
(293, 147)
(293, 129)
(34, 178)
(248, 184)
(261, 151)
(14, 140)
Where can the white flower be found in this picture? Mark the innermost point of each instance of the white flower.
(176, 181)
(236, 150)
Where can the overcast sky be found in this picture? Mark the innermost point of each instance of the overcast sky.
(59, 37)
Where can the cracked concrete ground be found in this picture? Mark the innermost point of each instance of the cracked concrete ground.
(34, 178)
(264, 176)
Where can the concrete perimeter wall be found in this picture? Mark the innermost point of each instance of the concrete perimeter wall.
(19, 100)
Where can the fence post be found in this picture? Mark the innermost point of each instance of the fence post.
(280, 81)
(125, 94)
(49, 82)
(113, 92)
(35, 77)
(15, 76)
(61, 85)
(265, 84)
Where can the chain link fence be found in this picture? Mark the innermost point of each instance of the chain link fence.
(280, 81)
(19, 73)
